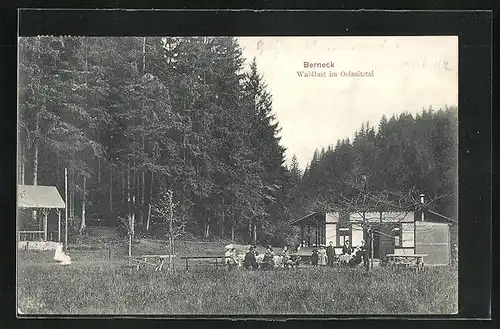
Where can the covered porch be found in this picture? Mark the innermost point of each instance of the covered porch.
(312, 229)
(43, 200)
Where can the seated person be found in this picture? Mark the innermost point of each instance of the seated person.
(357, 258)
(268, 261)
(347, 249)
(286, 257)
(250, 261)
(294, 260)
(230, 257)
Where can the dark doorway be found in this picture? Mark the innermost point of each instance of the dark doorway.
(387, 241)
(376, 245)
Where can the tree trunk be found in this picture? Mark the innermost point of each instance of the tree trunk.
(232, 232)
(150, 201)
(222, 221)
(129, 246)
(123, 190)
(171, 229)
(83, 225)
(143, 191)
(139, 198)
(250, 231)
(22, 166)
(254, 233)
(133, 216)
(111, 188)
(129, 215)
(149, 218)
(207, 229)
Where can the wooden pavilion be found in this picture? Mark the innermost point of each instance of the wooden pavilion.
(45, 199)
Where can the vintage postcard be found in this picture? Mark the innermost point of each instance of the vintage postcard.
(237, 175)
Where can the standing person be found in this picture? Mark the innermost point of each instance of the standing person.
(322, 256)
(314, 257)
(330, 253)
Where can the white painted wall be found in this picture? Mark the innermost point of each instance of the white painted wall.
(332, 217)
(357, 235)
(331, 233)
(408, 236)
(401, 251)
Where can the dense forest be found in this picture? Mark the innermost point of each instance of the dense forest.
(404, 153)
(132, 118)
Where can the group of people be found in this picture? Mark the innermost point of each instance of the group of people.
(267, 262)
(350, 256)
(320, 256)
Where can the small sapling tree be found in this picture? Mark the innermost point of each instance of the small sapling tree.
(172, 226)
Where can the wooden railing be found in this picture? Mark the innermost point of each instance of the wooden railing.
(36, 236)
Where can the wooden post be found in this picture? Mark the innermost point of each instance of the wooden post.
(366, 236)
(371, 250)
(186, 264)
(45, 215)
(66, 210)
(58, 225)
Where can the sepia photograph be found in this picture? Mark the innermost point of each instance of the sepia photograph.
(237, 175)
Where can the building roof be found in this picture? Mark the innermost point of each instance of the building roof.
(31, 196)
(442, 216)
(296, 221)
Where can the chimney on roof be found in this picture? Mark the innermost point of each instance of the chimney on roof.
(422, 201)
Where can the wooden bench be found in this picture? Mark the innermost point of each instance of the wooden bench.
(416, 260)
(157, 261)
(187, 258)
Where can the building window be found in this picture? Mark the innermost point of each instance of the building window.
(398, 237)
(344, 234)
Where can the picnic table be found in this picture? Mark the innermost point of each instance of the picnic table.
(187, 258)
(157, 261)
(407, 260)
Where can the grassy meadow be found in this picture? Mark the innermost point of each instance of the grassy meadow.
(97, 284)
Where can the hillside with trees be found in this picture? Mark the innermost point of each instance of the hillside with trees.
(132, 118)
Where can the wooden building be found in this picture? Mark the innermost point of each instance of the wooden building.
(393, 232)
(45, 200)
